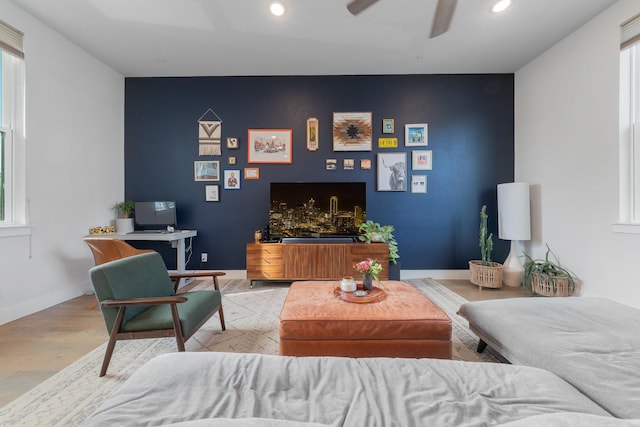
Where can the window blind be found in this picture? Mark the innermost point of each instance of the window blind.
(11, 40)
(630, 32)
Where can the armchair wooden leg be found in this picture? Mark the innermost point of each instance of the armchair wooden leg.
(221, 313)
(112, 341)
(177, 327)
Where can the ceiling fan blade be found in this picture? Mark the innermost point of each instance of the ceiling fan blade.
(442, 18)
(357, 6)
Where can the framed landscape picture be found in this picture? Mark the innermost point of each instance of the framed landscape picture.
(269, 146)
(206, 170)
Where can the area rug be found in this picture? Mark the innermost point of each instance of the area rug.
(251, 316)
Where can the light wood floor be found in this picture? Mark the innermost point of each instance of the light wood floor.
(37, 346)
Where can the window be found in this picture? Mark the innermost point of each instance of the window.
(12, 150)
(630, 127)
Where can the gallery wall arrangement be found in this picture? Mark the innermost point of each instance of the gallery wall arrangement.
(431, 150)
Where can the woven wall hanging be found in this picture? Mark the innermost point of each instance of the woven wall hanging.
(209, 134)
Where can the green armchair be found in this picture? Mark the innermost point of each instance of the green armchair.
(138, 300)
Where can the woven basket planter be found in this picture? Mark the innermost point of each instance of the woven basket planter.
(485, 276)
(550, 286)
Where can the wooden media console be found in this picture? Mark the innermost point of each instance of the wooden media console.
(312, 261)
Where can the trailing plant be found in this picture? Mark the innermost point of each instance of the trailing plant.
(374, 232)
(125, 208)
(548, 267)
(486, 242)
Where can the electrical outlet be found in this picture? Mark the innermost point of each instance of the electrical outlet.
(204, 256)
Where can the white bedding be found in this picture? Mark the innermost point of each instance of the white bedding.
(592, 343)
(203, 388)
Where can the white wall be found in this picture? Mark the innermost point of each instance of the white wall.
(567, 149)
(75, 168)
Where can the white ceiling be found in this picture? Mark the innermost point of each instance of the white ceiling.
(142, 38)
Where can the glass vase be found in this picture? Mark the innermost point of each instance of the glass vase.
(367, 282)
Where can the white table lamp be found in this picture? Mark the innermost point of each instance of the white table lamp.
(514, 223)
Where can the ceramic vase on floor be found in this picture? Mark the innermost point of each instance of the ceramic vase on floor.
(367, 282)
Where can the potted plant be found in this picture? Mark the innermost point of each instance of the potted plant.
(548, 278)
(374, 232)
(485, 273)
(124, 220)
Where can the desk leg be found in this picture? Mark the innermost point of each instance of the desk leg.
(180, 264)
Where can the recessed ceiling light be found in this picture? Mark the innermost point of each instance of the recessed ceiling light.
(501, 6)
(276, 8)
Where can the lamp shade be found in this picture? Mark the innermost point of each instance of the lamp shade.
(514, 218)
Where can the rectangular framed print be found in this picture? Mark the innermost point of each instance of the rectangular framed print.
(206, 170)
(269, 146)
(232, 179)
(251, 173)
(421, 160)
(211, 193)
(388, 126)
(418, 183)
(312, 134)
(392, 171)
(416, 135)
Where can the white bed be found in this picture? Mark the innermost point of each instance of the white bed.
(592, 343)
(251, 389)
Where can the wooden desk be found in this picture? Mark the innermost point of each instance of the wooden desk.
(177, 240)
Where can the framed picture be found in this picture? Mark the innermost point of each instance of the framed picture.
(331, 164)
(312, 134)
(415, 135)
(232, 179)
(269, 146)
(348, 164)
(365, 164)
(421, 160)
(392, 171)
(418, 183)
(206, 170)
(352, 132)
(232, 160)
(211, 193)
(233, 143)
(251, 173)
(388, 126)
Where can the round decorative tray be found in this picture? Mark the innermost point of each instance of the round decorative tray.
(360, 297)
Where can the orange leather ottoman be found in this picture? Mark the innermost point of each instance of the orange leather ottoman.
(313, 322)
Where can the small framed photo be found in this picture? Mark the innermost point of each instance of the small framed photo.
(331, 164)
(365, 164)
(415, 135)
(251, 173)
(233, 143)
(206, 170)
(232, 179)
(392, 171)
(421, 160)
(211, 193)
(348, 164)
(418, 183)
(269, 145)
(232, 160)
(388, 126)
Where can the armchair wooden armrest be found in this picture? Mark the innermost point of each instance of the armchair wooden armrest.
(143, 301)
(214, 274)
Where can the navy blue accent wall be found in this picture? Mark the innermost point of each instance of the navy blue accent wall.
(471, 134)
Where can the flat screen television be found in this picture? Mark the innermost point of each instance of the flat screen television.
(316, 209)
(154, 215)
